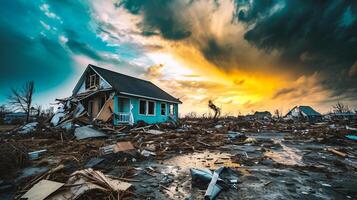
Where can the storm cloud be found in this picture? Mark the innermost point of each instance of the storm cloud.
(29, 56)
(160, 17)
(305, 37)
(49, 42)
(257, 52)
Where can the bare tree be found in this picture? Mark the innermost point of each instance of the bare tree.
(217, 110)
(339, 107)
(3, 108)
(191, 115)
(3, 111)
(38, 109)
(21, 99)
(278, 113)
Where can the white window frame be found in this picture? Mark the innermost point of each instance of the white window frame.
(164, 110)
(147, 107)
(92, 82)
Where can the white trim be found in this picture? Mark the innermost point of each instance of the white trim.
(152, 98)
(99, 75)
(77, 87)
(147, 107)
(82, 79)
(173, 109)
(92, 83)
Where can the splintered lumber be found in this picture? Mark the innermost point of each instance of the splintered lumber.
(106, 112)
(339, 153)
(86, 180)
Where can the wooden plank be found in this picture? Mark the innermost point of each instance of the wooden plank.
(123, 146)
(106, 112)
(339, 153)
(42, 190)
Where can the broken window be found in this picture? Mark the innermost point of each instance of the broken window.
(142, 107)
(92, 81)
(151, 110)
(163, 109)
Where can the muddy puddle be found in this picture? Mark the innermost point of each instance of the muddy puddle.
(286, 155)
(205, 159)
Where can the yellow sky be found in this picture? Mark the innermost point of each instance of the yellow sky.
(184, 72)
(246, 79)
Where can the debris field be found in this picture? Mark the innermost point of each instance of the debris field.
(196, 158)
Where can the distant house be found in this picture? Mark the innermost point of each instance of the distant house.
(341, 116)
(107, 94)
(262, 115)
(303, 112)
(15, 117)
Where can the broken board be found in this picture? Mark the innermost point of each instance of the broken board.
(123, 146)
(106, 112)
(42, 190)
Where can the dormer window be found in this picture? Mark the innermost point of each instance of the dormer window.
(92, 81)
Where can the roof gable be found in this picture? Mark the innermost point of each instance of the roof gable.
(128, 85)
(80, 86)
(309, 111)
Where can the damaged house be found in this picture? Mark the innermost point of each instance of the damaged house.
(262, 115)
(304, 113)
(110, 96)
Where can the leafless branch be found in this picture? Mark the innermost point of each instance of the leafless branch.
(21, 99)
(217, 110)
(339, 107)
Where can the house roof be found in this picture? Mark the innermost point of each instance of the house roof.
(343, 114)
(128, 85)
(262, 113)
(309, 111)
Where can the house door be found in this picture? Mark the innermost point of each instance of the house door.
(90, 109)
(123, 105)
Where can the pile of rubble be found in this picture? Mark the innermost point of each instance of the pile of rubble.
(216, 157)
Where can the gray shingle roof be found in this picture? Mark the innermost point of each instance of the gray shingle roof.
(125, 84)
(309, 111)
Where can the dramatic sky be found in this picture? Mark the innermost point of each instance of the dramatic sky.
(243, 54)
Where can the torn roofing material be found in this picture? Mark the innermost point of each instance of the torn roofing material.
(128, 85)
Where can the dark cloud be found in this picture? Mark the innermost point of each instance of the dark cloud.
(159, 18)
(80, 47)
(306, 32)
(309, 36)
(216, 52)
(23, 59)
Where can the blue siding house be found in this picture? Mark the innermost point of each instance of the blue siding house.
(110, 96)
